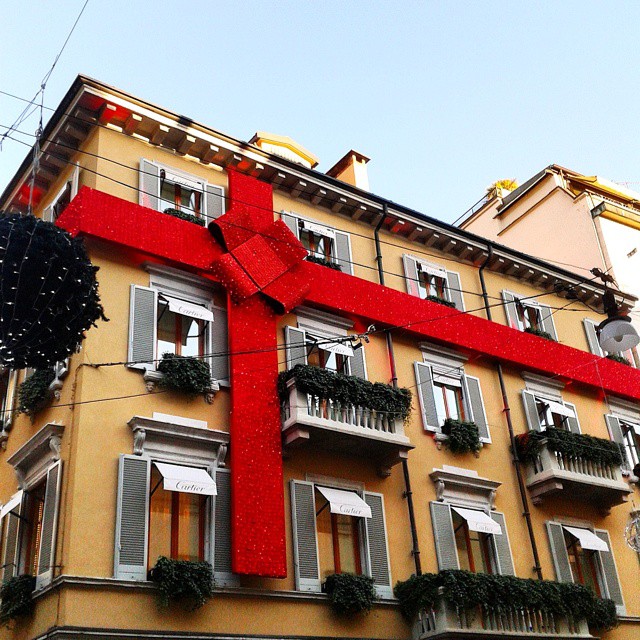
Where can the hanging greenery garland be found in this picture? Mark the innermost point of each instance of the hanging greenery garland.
(48, 292)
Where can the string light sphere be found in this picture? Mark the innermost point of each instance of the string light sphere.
(48, 292)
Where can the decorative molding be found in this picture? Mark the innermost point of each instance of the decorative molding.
(152, 379)
(322, 320)
(330, 481)
(542, 385)
(624, 409)
(464, 487)
(161, 277)
(436, 354)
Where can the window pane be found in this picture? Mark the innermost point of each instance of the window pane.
(189, 508)
(460, 529)
(453, 400)
(441, 409)
(325, 537)
(166, 330)
(192, 336)
(348, 544)
(32, 528)
(159, 520)
(631, 444)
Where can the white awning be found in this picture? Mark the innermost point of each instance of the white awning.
(319, 229)
(340, 348)
(14, 501)
(479, 521)
(560, 409)
(588, 539)
(347, 503)
(186, 479)
(188, 309)
(433, 271)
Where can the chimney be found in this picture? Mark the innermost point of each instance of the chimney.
(352, 169)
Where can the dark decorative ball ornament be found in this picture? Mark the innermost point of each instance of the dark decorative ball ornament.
(48, 292)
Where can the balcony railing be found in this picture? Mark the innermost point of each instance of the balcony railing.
(343, 427)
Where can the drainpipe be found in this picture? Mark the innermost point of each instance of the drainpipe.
(408, 494)
(507, 412)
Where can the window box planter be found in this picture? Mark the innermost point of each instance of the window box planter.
(183, 215)
(324, 262)
(190, 583)
(577, 465)
(540, 334)
(443, 301)
(189, 376)
(344, 413)
(35, 393)
(17, 598)
(350, 594)
(616, 357)
(462, 437)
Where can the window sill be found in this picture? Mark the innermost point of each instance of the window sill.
(442, 438)
(152, 378)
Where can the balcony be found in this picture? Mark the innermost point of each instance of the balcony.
(339, 425)
(562, 463)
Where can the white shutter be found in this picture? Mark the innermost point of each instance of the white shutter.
(132, 518)
(424, 379)
(510, 309)
(221, 533)
(292, 222)
(48, 534)
(343, 252)
(559, 552)
(12, 543)
(572, 421)
(75, 175)
(149, 194)
(531, 411)
(47, 214)
(10, 400)
(305, 541)
(214, 197)
(592, 337)
(296, 346)
(444, 536)
(219, 345)
(478, 415)
(142, 327)
(411, 275)
(454, 287)
(377, 548)
(610, 573)
(615, 433)
(546, 315)
(357, 363)
(502, 546)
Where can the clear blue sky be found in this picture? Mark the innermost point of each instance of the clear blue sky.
(444, 97)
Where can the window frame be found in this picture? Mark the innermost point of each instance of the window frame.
(511, 302)
(181, 179)
(48, 214)
(485, 541)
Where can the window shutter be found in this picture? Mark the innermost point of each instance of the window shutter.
(49, 526)
(142, 328)
(411, 275)
(305, 542)
(615, 433)
(477, 407)
(455, 290)
(219, 345)
(502, 546)
(377, 545)
(546, 314)
(572, 423)
(357, 363)
(149, 195)
(132, 518)
(292, 222)
(75, 176)
(559, 552)
(592, 337)
(221, 534)
(11, 543)
(444, 537)
(47, 214)
(214, 197)
(531, 411)
(343, 252)
(10, 401)
(611, 572)
(510, 309)
(424, 378)
(296, 347)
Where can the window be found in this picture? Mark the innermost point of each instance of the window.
(32, 514)
(338, 528)
(183, 330)
(321, 241)
(52, 212)
(426, 280)
(163, 188)
(446, 392)
(631, 440)
(528, 315)
(583, 555)
(475, 549)
(624, 428)
(545, 411)
(594, 344)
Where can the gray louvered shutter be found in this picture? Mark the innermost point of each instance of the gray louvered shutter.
(12, 542)
(75, 180)
(614, 590)
(12, 388)
(214, 198)
(296, 346)
(357, 363)
(142, 328)
(592, 337)
(377, 545)
(546, 315)
(221, 534)
(510, 309)
(411, 275)
(132, 518)
(343, 252)
(502, 547)
(305, 541)
(477, 407)
(424, 379)
(615, 433)
(559, 552)
(454, 287)
(292, 222)
(47, 214)
(573, 423)
(49, 526)
(149, 195)
(219, 345)
(444, 536)
(531, 411)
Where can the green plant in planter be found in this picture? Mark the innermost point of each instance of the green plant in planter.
(190, 583)
(183, 215)
(350, 594)
(444, 301)
(324, 262)
(616, 357)
(33, 393)
(540, 333)
(463, 436)
(184, 374)
(16, 595)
